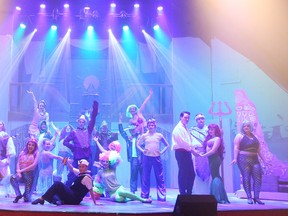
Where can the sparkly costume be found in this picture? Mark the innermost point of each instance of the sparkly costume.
(134, 156)
(217, 186)
(24, 160)
(249, 166)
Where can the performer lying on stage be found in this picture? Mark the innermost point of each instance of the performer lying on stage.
(106, 179)
(60, 194)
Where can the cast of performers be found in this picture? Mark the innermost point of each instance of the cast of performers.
(182, 144)
(246, 152)
(25, 170)
(134, 155)
(201, 165)
(151, 158)
(60, 194)
(39, 114)
(79, 141)
(7, 151)
(106, 179)
(136, 118)
(214, 146)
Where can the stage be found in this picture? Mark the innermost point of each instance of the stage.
(105, 207)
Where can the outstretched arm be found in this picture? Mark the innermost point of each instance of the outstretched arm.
(34, 100)
(98, 144)
(146, 101)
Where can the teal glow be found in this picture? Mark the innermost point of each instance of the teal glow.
(54, 27)
(129, 44)
(19, 33)
(161, 36)
(51, 40)
(22, 26)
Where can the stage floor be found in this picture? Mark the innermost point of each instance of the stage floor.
(105, 206)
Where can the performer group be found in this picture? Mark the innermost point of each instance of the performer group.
(199, 152)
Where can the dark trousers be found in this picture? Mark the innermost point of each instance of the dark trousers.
(135, 171)
(63, 192)
(186, 173)
(156, 163)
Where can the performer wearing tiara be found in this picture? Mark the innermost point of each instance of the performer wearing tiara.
(60, 194)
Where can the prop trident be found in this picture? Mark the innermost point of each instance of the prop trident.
(220, 113)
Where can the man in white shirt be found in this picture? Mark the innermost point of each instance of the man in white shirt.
(182, 144)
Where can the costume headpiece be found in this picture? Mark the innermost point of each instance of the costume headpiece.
(199, 115)
(83, 161)
(82, 117)
(115, 145)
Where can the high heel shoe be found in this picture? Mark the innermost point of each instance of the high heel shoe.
(250, 201)
(258, 201)
(17, 199)
(35, 202)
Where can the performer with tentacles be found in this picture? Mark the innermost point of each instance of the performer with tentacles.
(79, 141)
(213, 144)
(106, 179)
(201, 165)
(60, 194)
(246, 151)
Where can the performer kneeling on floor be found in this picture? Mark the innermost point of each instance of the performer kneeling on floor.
(60, 194)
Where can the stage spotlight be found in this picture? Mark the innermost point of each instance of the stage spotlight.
(86, 8)
(156, 27)
(110, 30)
(66, 6)
(35, 30)
(143, 31)
(136, 5)
(125, 28)
(159, 8)
(69, 30)
(90, 28)
(54, 27)
(18, 8)
(22, 26)
(113, 5)
(42, 6)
